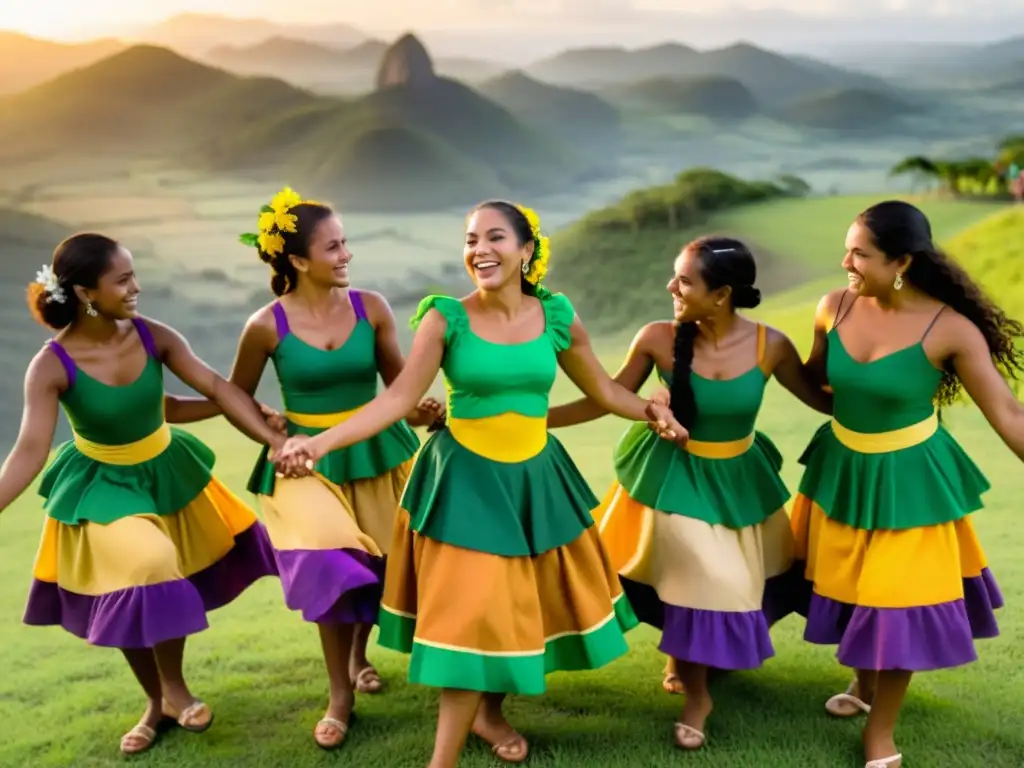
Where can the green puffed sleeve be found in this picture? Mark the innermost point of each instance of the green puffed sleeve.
(452, 311)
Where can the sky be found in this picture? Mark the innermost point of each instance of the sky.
(77, 19)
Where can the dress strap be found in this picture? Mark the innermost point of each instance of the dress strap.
(932, 323)
(70, 369)
(280, 320)
(148, 342)
(357, 304)
(839, 310)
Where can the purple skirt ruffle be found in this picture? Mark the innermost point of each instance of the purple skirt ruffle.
(332, 585)
(914, 639)
(719, 639)
(142, 617)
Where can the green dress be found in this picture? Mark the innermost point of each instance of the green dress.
(329, 571)
(140, 539)
(700, 536)
(898, 578)
(498, 576)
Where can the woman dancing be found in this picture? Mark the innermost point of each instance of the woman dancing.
(695, 533)
(328, 343)
(140, 539)
(881, 519)
(497, 575)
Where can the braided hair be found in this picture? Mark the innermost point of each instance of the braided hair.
(723, 262)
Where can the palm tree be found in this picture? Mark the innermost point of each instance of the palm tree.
(919, 168)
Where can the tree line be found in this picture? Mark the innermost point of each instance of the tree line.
(967, 177)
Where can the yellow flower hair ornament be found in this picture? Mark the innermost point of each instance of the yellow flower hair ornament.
(538, 264)
(274, 221)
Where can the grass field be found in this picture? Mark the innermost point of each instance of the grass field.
(259, 666)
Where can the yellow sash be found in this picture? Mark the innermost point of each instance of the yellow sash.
(138, 452)
(727, 450)
(508, 437)
(886, 442)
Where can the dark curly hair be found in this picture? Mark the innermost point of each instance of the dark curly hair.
(723, 262)
(284, 277)
(900, 229)
(520, 227)
(81, 260)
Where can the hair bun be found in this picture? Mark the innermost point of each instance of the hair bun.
(746, 297)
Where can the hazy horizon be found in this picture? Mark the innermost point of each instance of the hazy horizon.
(517, 30)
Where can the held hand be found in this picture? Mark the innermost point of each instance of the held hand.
(296, 458)
(661, 420)
(275, 420)
(426, 413)
(661, 396)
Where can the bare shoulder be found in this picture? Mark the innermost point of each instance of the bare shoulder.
(262, 319)
(46, 371)
(953, 332)
(655, 334)
(376, 305)
(776, 339)
(161, 332)
(828, 307)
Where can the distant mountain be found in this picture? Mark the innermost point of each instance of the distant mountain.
(576, 115)
(713, 97)
(142, 100)
(850, 109)
(937, 63)
(769, 76)
(27, 61)
(198, 33)
(328, 68)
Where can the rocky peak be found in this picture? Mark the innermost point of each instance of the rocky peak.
(405, 62)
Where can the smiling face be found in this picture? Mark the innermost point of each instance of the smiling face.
(692, 300)
(869, 271)
(116, 295)
(327, 259)
(493, 254)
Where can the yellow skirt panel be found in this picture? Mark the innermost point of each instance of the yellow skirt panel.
(139, 550)
(885, 569)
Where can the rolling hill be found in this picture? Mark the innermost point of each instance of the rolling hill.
(943, 64)
(440, 128)
(28, 61)
(993, 251)
(142, 100)
(770, 76)
(576, 115)
(849, 109)
(614, 262)
(329, 68)
(714, 97)
(151, 102)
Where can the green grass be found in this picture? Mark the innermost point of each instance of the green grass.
(798, 244)
(259, 666)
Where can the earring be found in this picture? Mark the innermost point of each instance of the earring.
(898, 282)
(526, 267)
(90, 310)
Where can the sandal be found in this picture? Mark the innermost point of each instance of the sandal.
(884, 762)
(330, 725)
(847, 705)
(513, 750)
(673, 684)
(696, 738)
(368, 681)
(186, 718)
(140, 732)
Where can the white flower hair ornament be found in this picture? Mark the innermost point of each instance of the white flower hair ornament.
(48, 279)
